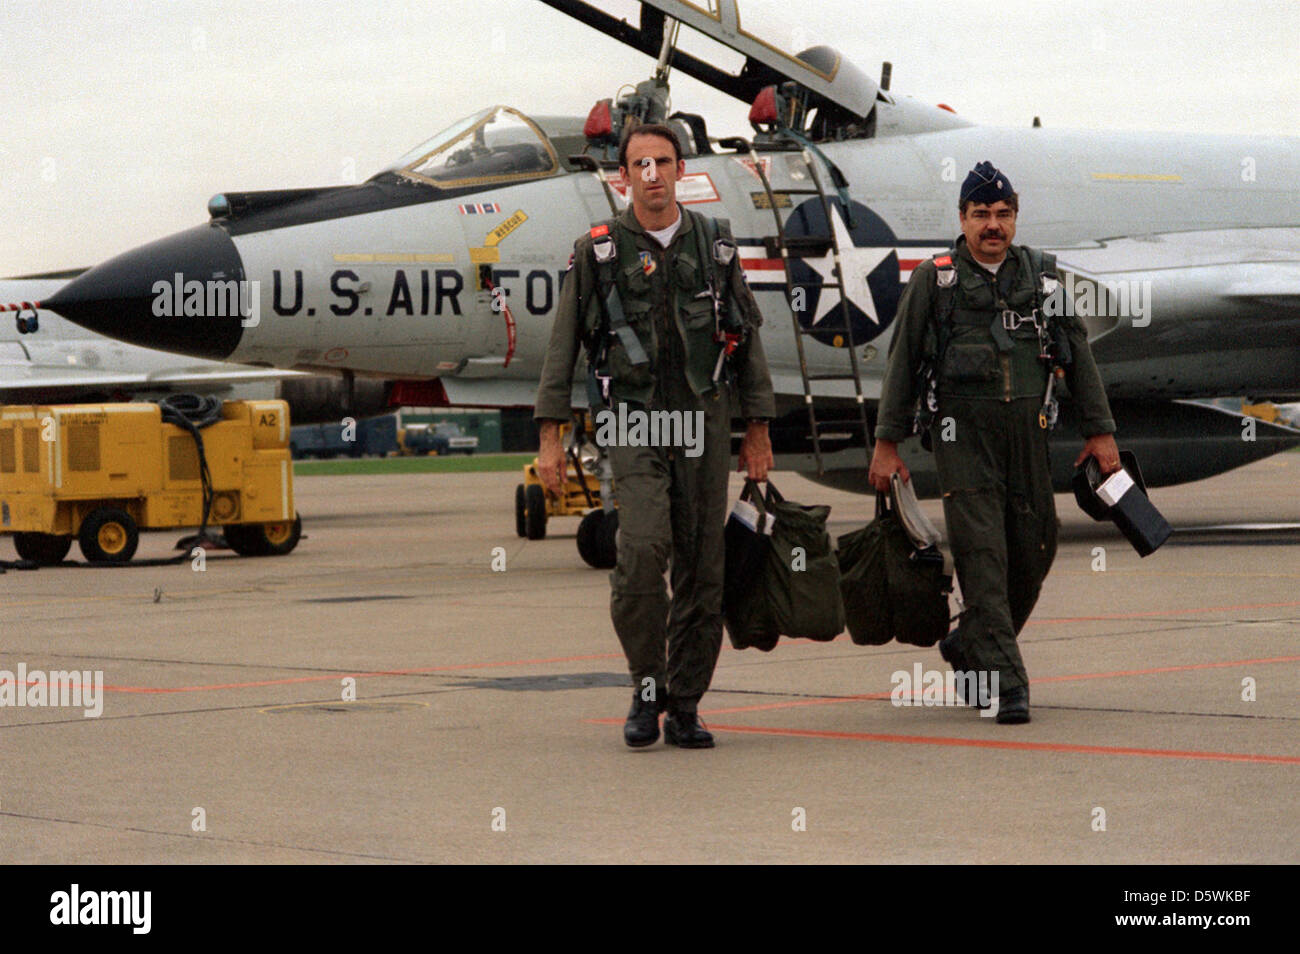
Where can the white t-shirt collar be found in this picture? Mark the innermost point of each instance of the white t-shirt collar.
(664, 236)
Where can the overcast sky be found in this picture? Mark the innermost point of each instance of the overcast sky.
(122, 119)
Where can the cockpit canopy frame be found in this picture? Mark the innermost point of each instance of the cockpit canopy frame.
(469, 154)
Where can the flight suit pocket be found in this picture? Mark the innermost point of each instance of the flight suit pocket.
(638, 282)
(621, 367)
(969, 363)
(627, 374)
(697, 314)
(976, 293)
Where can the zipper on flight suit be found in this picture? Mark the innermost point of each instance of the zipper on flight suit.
(1004, 357)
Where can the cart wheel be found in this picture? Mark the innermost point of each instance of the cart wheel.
(265, 539)
(598, 539)
(281, 537)
(43, 548)
(108, 535)
(238, 538)
(521, 511)
(534, 512)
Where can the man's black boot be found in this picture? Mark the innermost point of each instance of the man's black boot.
(682, 728)
(1013, 706)
(642, 725)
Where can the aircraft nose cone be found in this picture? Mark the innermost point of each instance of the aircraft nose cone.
(182, 293)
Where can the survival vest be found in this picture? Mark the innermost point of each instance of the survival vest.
(619, 333)
(987, 341)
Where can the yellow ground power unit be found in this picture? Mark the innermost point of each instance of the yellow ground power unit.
(100, 473)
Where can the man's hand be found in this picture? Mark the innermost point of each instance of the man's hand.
(551, 464)
(756, 451)
(1104, 448)
(885, 462)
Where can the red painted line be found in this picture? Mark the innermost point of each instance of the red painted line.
(762, 264)
(832, 700)
(795, 703)
(365, 675)
(993, 743)
(1163, 669)
(1153, 613)
(1015, 746)
(827, 701)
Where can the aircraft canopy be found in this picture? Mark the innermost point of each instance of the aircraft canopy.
(493, 146)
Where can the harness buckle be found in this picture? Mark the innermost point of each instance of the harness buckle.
(1012, 320)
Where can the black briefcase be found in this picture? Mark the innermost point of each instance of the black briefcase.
(1122, 499)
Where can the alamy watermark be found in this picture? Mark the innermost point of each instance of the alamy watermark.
(82, 907)
(208, 299)
(635, 427)
(1087, 298)
(58, 689)
(934, 687)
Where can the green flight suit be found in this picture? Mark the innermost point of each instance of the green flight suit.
(672, 507)
(994, 473)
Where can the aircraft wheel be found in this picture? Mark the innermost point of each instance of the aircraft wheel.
(43, 548)
(108, 535)
(521, 511)
(598, 539)
(534, 512)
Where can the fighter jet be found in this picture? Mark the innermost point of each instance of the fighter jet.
(45, 359)
(1182, 253)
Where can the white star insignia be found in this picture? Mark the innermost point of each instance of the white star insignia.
(858, 264)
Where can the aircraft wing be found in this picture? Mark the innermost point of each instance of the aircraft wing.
(34, 377)
(1274, 285)
(1171, 312)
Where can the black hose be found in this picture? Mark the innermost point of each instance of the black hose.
(192, 413)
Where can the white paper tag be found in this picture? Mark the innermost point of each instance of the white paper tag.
(747, 513)
(1114, 487)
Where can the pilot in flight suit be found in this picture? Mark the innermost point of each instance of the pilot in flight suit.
(990, 384)
(672, 506)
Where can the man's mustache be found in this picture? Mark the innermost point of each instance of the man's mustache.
(992, 234)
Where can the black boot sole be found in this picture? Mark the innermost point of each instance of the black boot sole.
(1016, 716)
(671, 738)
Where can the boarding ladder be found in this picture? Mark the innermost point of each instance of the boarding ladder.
(796, 247)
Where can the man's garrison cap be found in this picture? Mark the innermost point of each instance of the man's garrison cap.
(986, 185)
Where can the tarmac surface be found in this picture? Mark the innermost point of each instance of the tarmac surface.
(489, 705)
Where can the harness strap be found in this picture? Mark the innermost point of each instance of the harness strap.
(606, 254)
